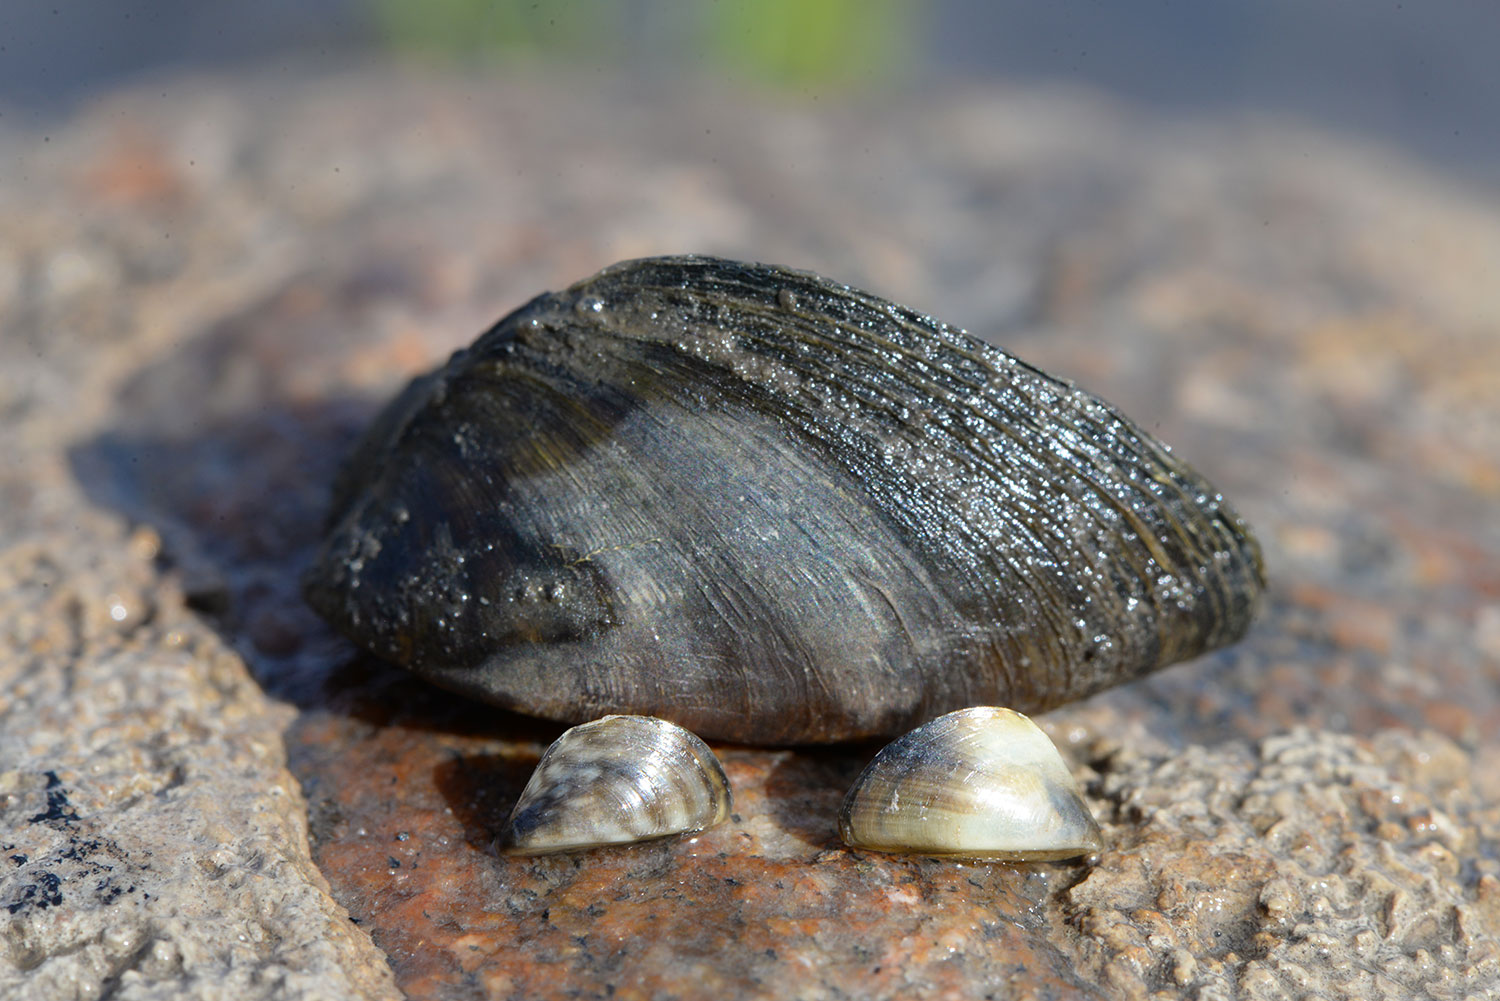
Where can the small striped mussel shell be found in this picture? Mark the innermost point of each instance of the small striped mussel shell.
(614, 781)
(982, 783)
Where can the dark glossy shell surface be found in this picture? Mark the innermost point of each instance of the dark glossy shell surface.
(772, 509)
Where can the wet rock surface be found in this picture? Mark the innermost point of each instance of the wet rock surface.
(205, 292)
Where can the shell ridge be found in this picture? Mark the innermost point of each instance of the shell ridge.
(993, 364)
(1094, 468)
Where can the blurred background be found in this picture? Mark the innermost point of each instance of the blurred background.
(1420, 76)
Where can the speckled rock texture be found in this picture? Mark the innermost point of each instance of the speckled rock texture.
(206, 288)
(154, 843)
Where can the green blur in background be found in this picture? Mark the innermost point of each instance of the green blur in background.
(791, 44)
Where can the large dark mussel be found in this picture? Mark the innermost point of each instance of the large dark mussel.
(772, 509)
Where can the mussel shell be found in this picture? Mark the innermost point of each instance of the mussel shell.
(770, 508)
(982, 783)
(614, 781)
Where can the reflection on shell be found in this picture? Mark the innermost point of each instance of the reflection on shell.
(614, 781)
(980, 783)
(770, 508)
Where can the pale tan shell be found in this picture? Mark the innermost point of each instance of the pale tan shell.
(981, 783)
(617, 780)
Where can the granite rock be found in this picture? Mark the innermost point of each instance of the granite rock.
(152, 841)
(207, 288)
